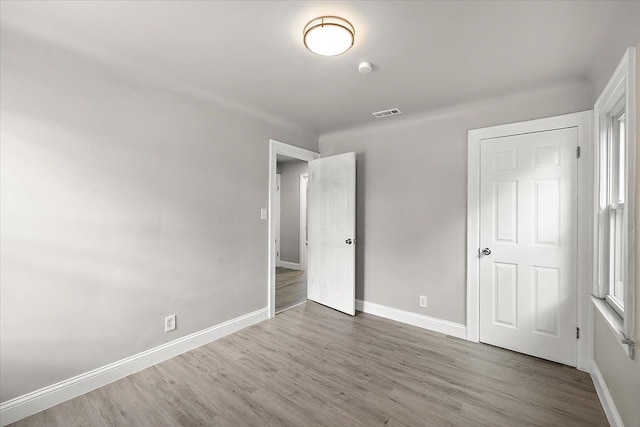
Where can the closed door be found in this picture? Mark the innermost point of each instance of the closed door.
(332, 219)
(528, 235)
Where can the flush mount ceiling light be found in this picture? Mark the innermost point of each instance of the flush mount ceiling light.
(329, 35)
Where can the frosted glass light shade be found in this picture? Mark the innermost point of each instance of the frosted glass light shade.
(329, 35)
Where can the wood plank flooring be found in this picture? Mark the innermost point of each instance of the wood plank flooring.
(291, 288)
(313, 366)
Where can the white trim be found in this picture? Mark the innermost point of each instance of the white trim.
(609, 406)
(290, 265)
(39, 400)
(615, 323)
(583, 122)
(620, 86)
(615, 305)
(304, 181)
(277, 216)
(425, 322)
(275, 148)
(585, 240)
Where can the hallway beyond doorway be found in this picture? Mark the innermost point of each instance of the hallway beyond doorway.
(291, 288)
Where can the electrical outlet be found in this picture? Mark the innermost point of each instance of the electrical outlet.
(170, 323)
(263, 213)
(423, 301)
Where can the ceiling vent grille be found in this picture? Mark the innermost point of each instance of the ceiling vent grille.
(387, 113)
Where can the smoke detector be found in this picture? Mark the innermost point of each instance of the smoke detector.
(364, 68)
(387, 113)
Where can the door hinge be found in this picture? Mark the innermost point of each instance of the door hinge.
(577, 333)
(578, 152)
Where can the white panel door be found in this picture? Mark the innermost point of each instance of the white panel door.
(332, 222)
(528, 223)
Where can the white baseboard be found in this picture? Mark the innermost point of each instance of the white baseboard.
(39, 400)
(606, 400)
(431, 323)
(290, 265)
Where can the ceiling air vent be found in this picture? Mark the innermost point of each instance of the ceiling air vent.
(387, 113)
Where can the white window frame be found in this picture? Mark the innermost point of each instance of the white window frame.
(616, 101)
(616, 180)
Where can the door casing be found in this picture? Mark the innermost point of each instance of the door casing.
(583, 121)
(275, 148)
(304, 181)
(277, 216)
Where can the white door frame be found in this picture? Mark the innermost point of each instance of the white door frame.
(583, 121)
(304, 181)
(275, 148)
(277, 216)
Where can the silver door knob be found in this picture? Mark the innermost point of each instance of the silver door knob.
(348, 241)
(486, 251)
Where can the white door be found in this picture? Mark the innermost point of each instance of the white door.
(332, 221)
(277, 217)
(528, 237)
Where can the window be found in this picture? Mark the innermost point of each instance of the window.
(615, 140)
(616, 178)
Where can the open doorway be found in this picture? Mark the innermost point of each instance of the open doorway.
(291, 232)
(288, 179)
(330, 264)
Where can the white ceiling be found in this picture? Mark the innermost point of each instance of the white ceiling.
(425, 54)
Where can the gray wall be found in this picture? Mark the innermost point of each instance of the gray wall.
(621, 374)
(121, 203)
(412, 194)
(623, 31)
(290, 209)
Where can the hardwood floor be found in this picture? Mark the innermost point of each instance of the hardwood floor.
(291, 288)
(313, 366)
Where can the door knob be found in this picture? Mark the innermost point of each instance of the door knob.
(348, 241)
(486, 251)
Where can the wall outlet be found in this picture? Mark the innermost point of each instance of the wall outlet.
(423, 301)
(170, 323)
(263, 213)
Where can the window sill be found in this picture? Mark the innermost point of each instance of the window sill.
(615, 323)
(615, 306)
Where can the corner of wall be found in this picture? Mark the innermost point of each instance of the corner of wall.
(606, 400)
